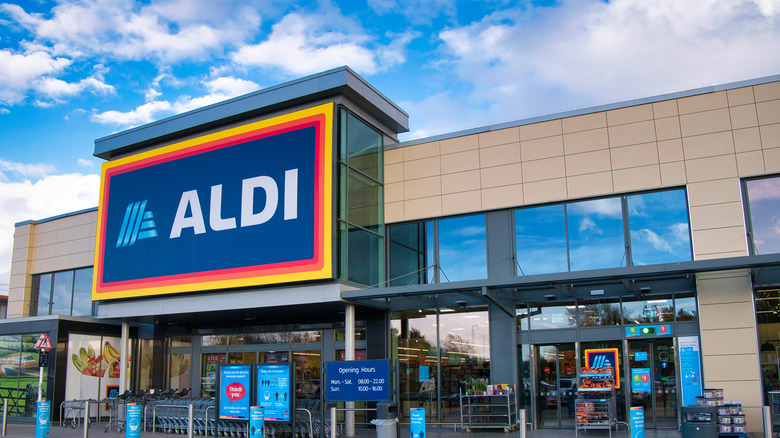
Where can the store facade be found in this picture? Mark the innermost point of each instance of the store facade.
(290, 225)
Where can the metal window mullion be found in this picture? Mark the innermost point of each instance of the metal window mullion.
(50, 300)
(626, 231)
(437, 267)
(72, 289)
(566, 233)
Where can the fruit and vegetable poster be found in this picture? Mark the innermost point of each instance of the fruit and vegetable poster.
(93, 365)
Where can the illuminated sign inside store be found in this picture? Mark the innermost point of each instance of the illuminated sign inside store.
(245, 206)
(648, 330)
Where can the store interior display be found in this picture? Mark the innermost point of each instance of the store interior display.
(595, 405)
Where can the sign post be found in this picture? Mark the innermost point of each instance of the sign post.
(44, 345)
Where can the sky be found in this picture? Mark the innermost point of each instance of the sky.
(72, 71)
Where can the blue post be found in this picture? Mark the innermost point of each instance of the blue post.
(256, 422)
(417, 422)
(42, 419)
(133, 421)
(637, 418)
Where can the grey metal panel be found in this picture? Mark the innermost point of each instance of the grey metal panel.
(553, 336)
(687, 328)
(523, 337)
(499, 244)
(503, 347)
(601, 333)
(220, 301)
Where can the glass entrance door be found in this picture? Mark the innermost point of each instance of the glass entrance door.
(654, 381)
(556, 390)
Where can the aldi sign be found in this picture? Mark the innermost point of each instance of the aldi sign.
(246, 206)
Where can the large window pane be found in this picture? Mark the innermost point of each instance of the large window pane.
(764, 203)
(41, 295)
(364, 148)
(596, 234)
(62, 293)
(553, 316)
(540, 236)
(644, 311)
(596, 313)
(462, 248)
(364, 257)
(685, 307)
(364, 202)
(408, 260)
(415, 348)
(82, 293)
(659, 228)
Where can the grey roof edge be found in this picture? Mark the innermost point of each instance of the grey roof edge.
(309, 88)
(588, 110)
(59, 216)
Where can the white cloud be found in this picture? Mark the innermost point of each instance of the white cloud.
(582, 53)
(305, 44)
(85, 162)
(35, 170)
(19, 72)
(145, 113)
(4, 111)
(38, 199)
(415, 11)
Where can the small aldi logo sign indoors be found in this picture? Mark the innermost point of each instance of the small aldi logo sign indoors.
(245, 206)
(604, 358)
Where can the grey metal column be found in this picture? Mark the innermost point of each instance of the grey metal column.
(349, 354)
(124, 350)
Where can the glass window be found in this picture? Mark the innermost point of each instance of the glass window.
(307, 336)
(767, 304)
(213, 340)
(596, 313)
(364, 257)
(659, 229)
(62, 293)
(360, 334)
(685, 307)
(462, 248)
(409, 253)
(595, 230)
(82, 293)
(364, 148)
(364, 201)
(41, 294)
(178, 370)
(642, 311)
(764, 204)
(553, 316)
(179, 341)
(259, 338)
(521, 317)
(540, 237)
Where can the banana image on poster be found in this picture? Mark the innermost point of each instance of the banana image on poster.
(90, 364)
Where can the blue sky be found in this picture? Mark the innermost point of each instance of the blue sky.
(74, 71)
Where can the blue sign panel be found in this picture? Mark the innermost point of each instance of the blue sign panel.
(358, 380)
(256, 422)
(648, 330)
(640, 380)
(233, 397)
(275, 391)
(133, 421)
(640, 356)
(690, 369)
(417, 422)
(42, 419)
(637, 420)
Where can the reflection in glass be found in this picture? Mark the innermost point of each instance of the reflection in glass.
(307, 336)
(767, 305)
(595, 230)
(462, 248)
(360, 334)
(685, 306)
(552, 316)
(62, 293)
(643, 311)
(82, 292)
(540, 235)
(307, 374)
(364, 148)
(764, 204)
(365, 257)
(408, 254)
(595, 313)
(364, 202)
(212, 340)
(178, 371)
(41, 294)
(258, 338)
(521, 317)
(208, 374)
(659, 229)
(146, 348)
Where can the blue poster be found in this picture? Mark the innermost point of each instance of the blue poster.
(133, 421)
(640, 356)
(233, 391)
(256, 422)
(417, 422)
(637, 419)
(274, 391)
(358, 380)
(690, 369)
(425, 373)
(42, 419)
(640, 380)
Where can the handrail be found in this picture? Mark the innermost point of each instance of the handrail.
(311, 428)
(154, 413)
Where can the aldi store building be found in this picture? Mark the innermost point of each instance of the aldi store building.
(289, 225)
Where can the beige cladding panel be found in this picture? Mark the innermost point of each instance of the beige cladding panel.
(586, 141)
(714, 192)
(502, 197)
(592, 184)
(537, 149)
(705, 122)
(772, 160)
(464, 202)
(630, 114)
(589, 162)
(719, 241)
(740, 96)
(420, 151)
(734, 337)
(748, 139)
(499, 155)
(670, 150)
(510, 174)
(423, 168)
(633, 133)
(770, 136)
(394, 156)
(702, 102)
(459, 144)
(499, 137)
(538, 170)
(544, 191)
(750, 163)
(637, 178)
(585, 122)
(665, 108)
(764, 92)
(459, 162)
(673, 174)
(743, 116)
(667, 128)
(768, 112)
(714, 216)
(460, 182)
(707, 169)
(540, 130)
(634, 156)
(422, 187)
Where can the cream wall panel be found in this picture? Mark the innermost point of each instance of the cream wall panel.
(743, 116)
(501, 175)
(725, 287)
(46, 228)
(772, 160)
(673, 174)
(16, 281)
(502, 197)
(460, 182)
(464, 202)
(422, 188)
(394, 212)
(750, 163)
(546, 147)
(633, 133)
(85, 218)
(62, 263)
(670, 150)
(82, 260)
(630, 114)
(584, 122)
(705, 122)
(740, 96)
(394, 173)
(706, 169)
(544, 191)
(42, 265)
(709, 145)
(702, 102)
(394, 156)
(634, 156)
(714, 192)
(539, 130)
(420, 151)
(586, 141)
(770, 136)
(637, 178)
(667, 128)
(63, 249)
(459, 162)
(43, 252)
(721, 368)
(422, 208)
(589, 185)
(20, 253)
(588, 162)
(65, 235)
(717, 215)
(394, 192)
(720, 255)
(422, 168)
(768, 112)
(732, 336)
(746, 140)
(550, 168)
(764, 92)
(719, 241)
(459, 144)
(84, 231)
(666, 108)
(738, 314)
(498, 137)
(46, 238)
(499, 155)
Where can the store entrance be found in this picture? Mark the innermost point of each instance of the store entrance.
(556, 377)
(654, 380)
